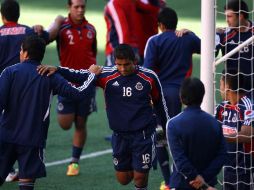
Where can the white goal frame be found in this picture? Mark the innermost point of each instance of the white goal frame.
(207, 67)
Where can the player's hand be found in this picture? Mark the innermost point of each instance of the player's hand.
(46, 69)
(180, 33)
(59, 19)
(54, 27)
(96, 69)
(38, 29)
(160, 136)
(197, 182)
(220, 30)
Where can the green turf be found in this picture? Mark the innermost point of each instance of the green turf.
(96, 173)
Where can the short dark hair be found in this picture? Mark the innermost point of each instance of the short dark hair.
(35, 47)
(234, 79)
(192, 91)
(124, 51)
(168, 18)
(10, 10)
(238, 6)
(69, 2)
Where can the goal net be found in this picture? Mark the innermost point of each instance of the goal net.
(233, 82)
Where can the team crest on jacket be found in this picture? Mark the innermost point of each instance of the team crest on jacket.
(89, 35)
(139, 86)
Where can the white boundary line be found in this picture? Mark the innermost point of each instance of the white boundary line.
(91, 155)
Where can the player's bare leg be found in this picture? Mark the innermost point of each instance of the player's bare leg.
(79, 139)
(140, 180)
(124, 177)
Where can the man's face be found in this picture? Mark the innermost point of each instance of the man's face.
(125, 66)
(232, 18)
(77, 10)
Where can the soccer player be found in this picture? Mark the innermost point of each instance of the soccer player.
(196, 142)
(11, 36)
(147, 16)
(240, 28)
(170, 57)
(236, 115)
(25, 103)
(131, 95)
(77, 48)
(121, 21)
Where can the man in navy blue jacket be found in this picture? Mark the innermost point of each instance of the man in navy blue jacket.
(196, 141)
(170, 57)
(25, 105)
(12, 33)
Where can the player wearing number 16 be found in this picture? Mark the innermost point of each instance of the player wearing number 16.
(132, 94)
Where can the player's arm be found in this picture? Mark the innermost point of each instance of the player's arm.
(196, 43)
(220, 32)
(75, 76)
(123, 30)
(159, 102)
(63, 88)
(5, 84)
(182, 164)
(243, 136)
(150, 54)
(55, 27)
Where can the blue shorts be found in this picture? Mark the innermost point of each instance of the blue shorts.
(81, 108)
(133, 150)
(30, 160)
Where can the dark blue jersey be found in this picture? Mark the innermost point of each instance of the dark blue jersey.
(25, 102)
(197, 146)
(129, 99)
(233, 117)
(171, 56)
(11, 38)
(242, 60)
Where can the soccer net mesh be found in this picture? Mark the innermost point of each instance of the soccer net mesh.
(236, 115)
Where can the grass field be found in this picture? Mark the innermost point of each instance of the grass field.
(96, 172)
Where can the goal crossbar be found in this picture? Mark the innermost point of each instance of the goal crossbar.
(233, 51)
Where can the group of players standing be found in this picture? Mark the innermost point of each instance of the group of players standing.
(129, 90)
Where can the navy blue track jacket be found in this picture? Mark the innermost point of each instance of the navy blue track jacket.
(128, 98)
(197, 146)
(25, 102)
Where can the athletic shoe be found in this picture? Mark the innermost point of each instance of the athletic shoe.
(12, 176)
(73, 169)
(163, 186)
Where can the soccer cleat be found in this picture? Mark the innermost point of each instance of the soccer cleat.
(73, 169)
(163, 186)
(12, 176)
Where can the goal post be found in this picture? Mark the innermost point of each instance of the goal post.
(207, 67)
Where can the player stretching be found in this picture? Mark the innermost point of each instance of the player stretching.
(77, 48)
(130, 91)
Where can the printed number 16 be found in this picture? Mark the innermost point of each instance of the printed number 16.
(127, 91)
